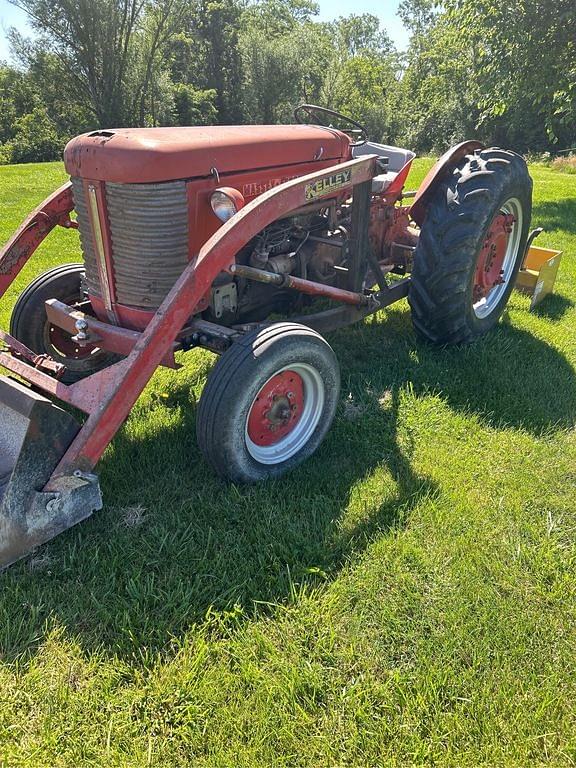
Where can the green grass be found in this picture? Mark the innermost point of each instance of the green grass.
(405, 598)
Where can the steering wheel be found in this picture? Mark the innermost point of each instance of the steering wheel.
(311, 113)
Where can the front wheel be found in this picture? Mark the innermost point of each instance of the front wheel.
(471, 246)
(268, 403)
(29, 323)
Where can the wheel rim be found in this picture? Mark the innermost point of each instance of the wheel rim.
(63, 349)
(62, 343)
(284, 414)
(497, 259)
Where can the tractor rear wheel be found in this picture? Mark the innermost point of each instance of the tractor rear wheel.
(29, 323)
(471, 246)
(268, 403)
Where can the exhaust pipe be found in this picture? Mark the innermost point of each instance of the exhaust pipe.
(34, 435)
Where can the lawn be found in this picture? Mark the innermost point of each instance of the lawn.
(405, 598)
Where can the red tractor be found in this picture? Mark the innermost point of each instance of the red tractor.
(249, 241)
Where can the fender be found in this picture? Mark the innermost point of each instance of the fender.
(55, 210)
(439, 171)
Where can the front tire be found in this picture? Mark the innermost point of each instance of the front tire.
(471, 246)
(29, 323)
(268, 403)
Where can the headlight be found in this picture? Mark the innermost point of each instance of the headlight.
(225, 202)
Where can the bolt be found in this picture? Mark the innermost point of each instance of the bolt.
(52, 505)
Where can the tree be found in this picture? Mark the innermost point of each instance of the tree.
(284, 55)
(109, 51)
(440, 81)
(194, 107)
(36, 138)
(527, 66)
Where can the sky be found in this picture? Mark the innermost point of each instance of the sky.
(10, 16)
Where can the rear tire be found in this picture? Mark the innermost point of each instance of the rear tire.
(29, 323)
(268, 403)
(450, 304)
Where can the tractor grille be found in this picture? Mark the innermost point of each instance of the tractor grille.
(149, 233)
(86, 241)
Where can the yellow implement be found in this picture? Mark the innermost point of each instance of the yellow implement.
(538, 273)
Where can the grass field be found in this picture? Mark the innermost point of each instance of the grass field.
(405, 598)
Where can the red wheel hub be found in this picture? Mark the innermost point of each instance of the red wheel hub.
(277, 408)
(489, 272)
(66, 346)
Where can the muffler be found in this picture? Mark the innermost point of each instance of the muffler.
(34, 435)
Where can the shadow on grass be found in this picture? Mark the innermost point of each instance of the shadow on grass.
(554, 307)
(508, 378)
(560, 214)
(174, 543)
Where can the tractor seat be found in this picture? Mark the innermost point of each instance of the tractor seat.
(397, 159)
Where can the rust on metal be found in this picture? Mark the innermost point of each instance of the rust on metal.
(41, 362)
(217, 255)
(53, 211)
(299, 284)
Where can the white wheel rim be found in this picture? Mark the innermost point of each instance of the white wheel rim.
(486, 305)
(300, 434)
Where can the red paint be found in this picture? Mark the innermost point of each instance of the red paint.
(120, 392)
(277, 408)
(85, 395)
(62, 341)
(491, 259)
(142, 155)
(329, 291)
(55, 210)
(203, 223)
(395, 189)
(112, 338)
(389, 224)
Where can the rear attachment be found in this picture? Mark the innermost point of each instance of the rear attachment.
(34, 435)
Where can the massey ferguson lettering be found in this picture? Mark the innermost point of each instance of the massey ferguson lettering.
(328, 184)
(259, 187)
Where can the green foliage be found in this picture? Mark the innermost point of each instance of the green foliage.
(35, 138)
(363, 88)
(502, 71)
(526, 53)
(194, 107)
(440, 87)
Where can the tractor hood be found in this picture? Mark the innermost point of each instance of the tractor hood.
(144, 155)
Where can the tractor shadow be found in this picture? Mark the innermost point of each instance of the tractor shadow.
(174, 544)
(507, 379)
(554, 307)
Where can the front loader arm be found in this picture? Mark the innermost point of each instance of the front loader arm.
(55, 210)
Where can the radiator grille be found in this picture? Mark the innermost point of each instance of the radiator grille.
(86, 241)
(149, 234)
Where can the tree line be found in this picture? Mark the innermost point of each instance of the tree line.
(503, 71)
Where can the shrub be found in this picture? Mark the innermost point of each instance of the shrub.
(193, 106)
(5, 154)
(36, 138)
(566, 164)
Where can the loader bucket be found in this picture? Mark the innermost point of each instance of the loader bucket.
(34, 435)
